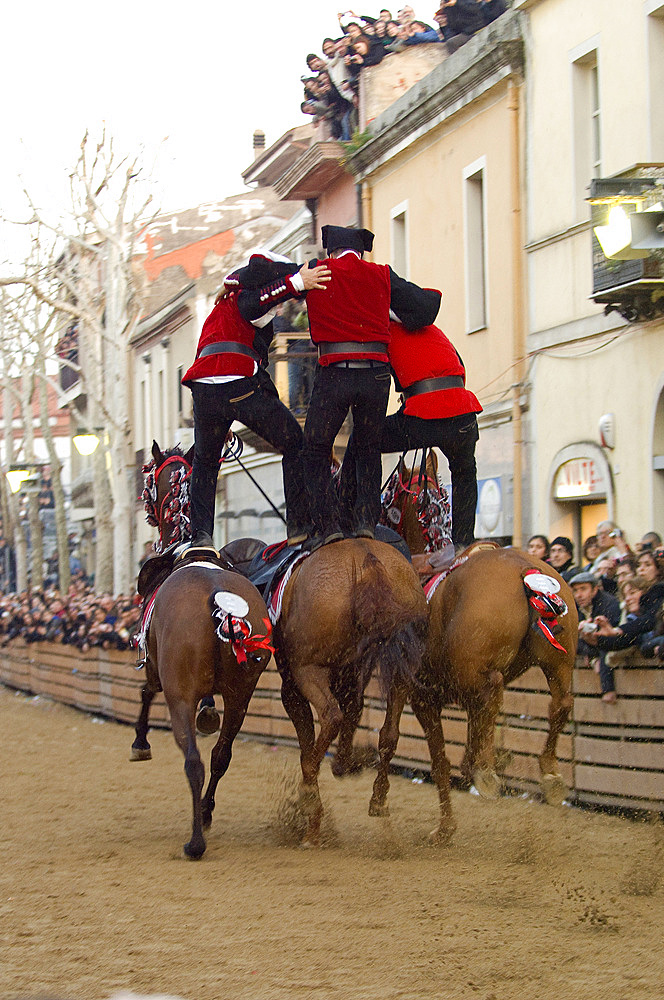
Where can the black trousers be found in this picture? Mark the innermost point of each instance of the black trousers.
(456, 437)
(255, 402)
(363, 391)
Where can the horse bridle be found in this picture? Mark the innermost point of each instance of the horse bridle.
(174, 506)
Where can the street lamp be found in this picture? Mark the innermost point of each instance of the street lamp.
(85, 442)
(17, 475)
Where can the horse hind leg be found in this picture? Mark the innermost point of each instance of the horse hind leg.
(427, 707)
(387, 746)
(554, 789)
(235, 710)
(348, 759)
(482, 715)
(182, 721)
(140, 748)
(313, 687)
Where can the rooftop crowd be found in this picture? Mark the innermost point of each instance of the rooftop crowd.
(331, 84)
(619, 594)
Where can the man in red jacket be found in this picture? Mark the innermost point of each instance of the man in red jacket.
(229, 381)
(437, 411)
(349, 323)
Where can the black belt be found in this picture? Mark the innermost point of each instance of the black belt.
(351, 347)
(360, 363)
(433, 384)
(229, 347)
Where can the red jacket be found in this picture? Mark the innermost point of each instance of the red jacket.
(355, 306)
(223, 324)
(427, 353)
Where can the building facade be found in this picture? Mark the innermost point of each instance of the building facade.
(594, 110)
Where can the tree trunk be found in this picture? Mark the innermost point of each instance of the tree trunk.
(61, 529)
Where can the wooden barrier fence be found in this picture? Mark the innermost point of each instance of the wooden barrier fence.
(609, 754)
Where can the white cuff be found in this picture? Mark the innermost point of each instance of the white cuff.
(297, 281)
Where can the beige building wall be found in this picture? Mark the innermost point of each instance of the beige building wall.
(594, 69)
(427, 183)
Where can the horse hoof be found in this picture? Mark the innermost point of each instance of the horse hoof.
(442, 835)
(208, 721)
(554, 789)
(378, 809)
(487, 783)
(194, 849)
(138, 754)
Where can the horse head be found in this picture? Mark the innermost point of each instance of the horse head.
(416, 506)
(166, 494)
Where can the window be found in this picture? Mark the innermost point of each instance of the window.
(655, 56)
(586, 121)
(399, 238)
(474, 204)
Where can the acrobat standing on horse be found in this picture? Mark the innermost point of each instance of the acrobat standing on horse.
(436, 411)
(229, 381)
(349, 323)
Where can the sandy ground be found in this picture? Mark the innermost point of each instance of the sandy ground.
(96, 897)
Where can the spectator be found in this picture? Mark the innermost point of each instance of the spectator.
(590, 551)
(591, 602)
(420, 33)
(651, 540)
(561, 557)
(538, 546)
(611, 543)
(366, 52)
(625, 569)
(463, 19)
(491, 9)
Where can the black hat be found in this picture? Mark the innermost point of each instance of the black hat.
(261, 270)
(565, 542)
(346, 238)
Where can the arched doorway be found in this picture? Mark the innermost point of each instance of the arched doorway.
(580, 492)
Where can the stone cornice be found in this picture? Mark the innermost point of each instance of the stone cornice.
(312, 172)
(493, 55)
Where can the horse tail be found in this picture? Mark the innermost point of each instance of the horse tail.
(391, 637)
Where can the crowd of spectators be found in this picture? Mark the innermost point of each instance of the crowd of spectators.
(332, 82)
(619, 594)
(81, 618)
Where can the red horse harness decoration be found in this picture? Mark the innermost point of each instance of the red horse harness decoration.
(431, 502)
(173, 511)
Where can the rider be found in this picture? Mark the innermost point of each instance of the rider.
(229, 381)
(436, 411)
(349, 323)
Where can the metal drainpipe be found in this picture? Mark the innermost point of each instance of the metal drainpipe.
(364, 207)
(519, 336)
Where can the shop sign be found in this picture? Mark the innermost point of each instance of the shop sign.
(580, 478)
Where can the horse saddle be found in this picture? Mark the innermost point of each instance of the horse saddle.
(269, 565)
(154, 571)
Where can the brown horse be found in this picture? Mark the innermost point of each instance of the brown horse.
(209, 634)
(481, 637)
(351, 607)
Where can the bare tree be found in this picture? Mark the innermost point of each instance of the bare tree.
(91, 279)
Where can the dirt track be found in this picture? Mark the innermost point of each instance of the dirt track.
(95, 896)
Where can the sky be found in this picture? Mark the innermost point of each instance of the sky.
(187, 83)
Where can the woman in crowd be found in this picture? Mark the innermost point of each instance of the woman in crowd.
(591, 550)
(538, 546)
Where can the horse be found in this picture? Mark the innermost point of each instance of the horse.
(350, 607)
(206, 631)
(483, 632)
